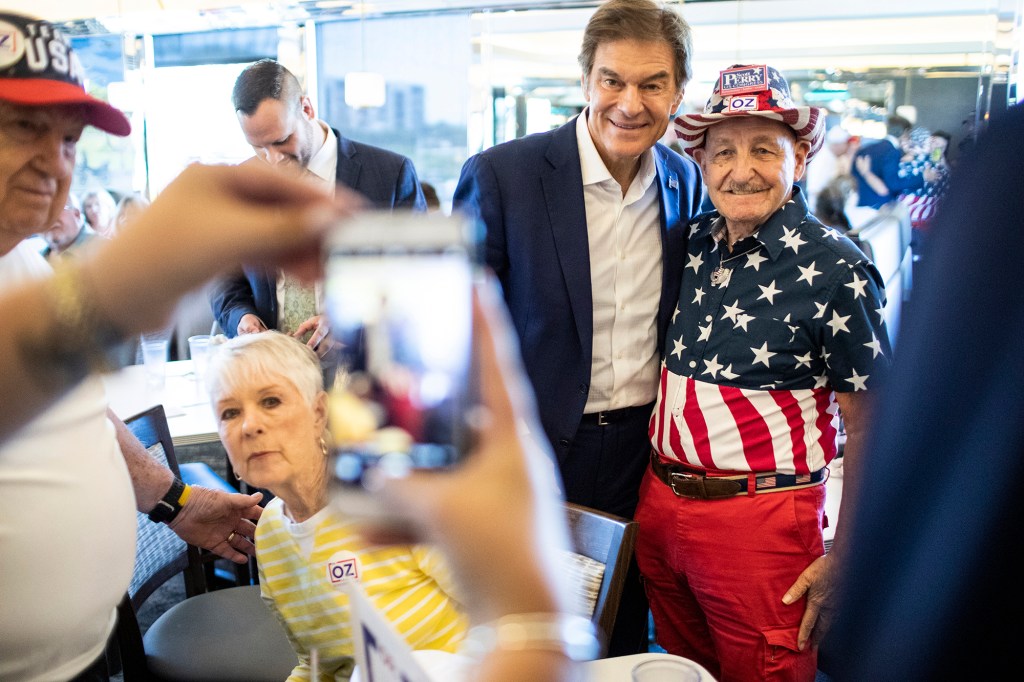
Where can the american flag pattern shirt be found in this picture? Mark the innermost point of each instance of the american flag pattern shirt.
(755, 354)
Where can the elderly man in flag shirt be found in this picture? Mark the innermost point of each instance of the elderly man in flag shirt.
(778, 331)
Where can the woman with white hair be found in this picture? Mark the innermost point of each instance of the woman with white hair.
(99, 208)
(271, 410)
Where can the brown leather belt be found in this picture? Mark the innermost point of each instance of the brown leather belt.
(699, 486)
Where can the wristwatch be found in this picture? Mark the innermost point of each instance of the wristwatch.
(168, 507)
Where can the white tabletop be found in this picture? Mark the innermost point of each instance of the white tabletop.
(184, 398)
(441, 666)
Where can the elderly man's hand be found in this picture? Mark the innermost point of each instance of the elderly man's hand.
(818, 584)
(221, 522)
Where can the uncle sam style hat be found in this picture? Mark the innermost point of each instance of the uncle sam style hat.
(39, 68)
(752, 90)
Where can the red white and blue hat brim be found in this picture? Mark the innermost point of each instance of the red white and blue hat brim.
(807, 122)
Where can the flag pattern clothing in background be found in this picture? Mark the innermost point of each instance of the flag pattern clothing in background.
(755, 353)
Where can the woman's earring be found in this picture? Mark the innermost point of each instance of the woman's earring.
(323, 446)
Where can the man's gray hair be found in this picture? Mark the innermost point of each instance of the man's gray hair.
(642, 21)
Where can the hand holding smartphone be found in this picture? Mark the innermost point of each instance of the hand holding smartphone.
(398, 293)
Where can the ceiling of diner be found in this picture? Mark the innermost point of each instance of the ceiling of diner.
(540, 45)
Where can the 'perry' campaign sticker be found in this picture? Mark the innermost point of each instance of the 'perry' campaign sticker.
(343, 567)
(743, 79)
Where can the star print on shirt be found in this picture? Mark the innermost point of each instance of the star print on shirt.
(742, 321)
(712, 367)
(881, 314)
(858, 285)
(731, 311)
(808, 274)
(768, 292)
(675, 314)
(678, 348)
(705, 333)
(820, 381)
(792, 239)
(803, 360)
(695, 262)
(821, 307)
(838, 323)
(858, 381)
(831, 232)
(698, 297)
(754, 260)
(728, 373)
(762, 354)
(875, 346)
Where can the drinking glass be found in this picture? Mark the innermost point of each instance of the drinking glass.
(199, 351)
(154, 357)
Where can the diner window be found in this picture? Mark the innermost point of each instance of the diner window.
(425, 62)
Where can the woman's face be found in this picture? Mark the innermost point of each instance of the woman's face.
(271, 434)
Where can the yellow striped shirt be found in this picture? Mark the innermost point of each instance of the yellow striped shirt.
(303, 567)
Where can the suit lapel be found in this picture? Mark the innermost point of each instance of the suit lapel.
(567, 216)
(349, 165)
(669, 188)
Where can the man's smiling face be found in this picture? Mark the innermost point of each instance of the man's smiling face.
(632, 94)
(750, 164)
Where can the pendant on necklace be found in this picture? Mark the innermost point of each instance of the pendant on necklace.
(720, 276)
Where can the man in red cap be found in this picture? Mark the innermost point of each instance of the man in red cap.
(67, 527)
(777, 329)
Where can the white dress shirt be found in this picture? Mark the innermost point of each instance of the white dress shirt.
(624, 235)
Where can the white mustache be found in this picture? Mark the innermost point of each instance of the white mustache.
(745, 189)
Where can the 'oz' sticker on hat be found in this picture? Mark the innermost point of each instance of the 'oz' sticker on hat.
(743, 79)
(343, 567)
(742, 103)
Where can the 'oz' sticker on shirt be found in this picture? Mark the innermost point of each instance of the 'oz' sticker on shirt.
(743, 103)
(343, 567)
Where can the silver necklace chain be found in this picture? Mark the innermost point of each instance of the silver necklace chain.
(720, 276)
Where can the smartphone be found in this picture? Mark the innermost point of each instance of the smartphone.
(398, 295)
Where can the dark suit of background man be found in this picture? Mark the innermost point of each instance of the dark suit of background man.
(279, 123)
(885, 155)
(586, 232)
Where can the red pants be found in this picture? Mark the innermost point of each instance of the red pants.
(715, 572)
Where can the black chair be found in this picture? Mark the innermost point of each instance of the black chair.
(227, 634)
(603, 546)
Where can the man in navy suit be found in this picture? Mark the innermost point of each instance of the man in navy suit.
(279, 122)
(586, 231)
(884, 157)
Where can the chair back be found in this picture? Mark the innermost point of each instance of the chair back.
(159, 553)
(603, 547)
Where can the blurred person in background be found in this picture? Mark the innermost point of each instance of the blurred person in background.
(280, 124)
(99, 208)
(833, 161)
(130, 206)
(68, 234)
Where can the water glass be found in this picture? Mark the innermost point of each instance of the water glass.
(666, 670)
(199, 351)
(154, 357)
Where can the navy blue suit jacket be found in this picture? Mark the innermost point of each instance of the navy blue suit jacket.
(386, 179)
(529, 195)
(885, 163)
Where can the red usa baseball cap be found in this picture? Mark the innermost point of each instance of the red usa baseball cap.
(39, 68)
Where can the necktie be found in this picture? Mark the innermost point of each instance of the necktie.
(298, 306)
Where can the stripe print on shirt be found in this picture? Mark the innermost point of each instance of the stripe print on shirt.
(735, 429)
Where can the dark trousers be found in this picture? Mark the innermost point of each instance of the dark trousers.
(603, 469)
